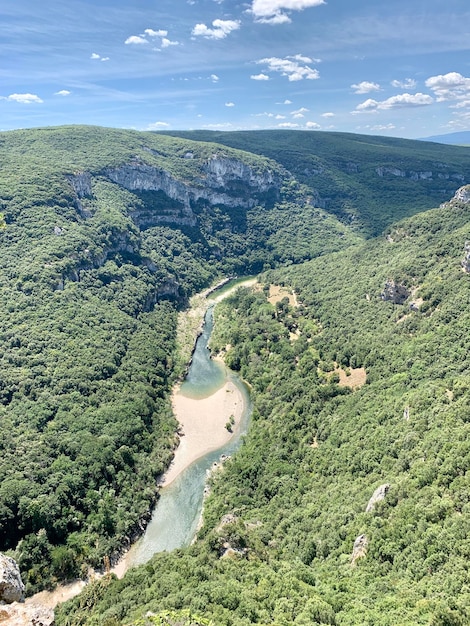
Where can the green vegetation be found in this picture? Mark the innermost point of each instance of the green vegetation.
(341, 171)
(297, 491)
(92, 275)
(94, 268)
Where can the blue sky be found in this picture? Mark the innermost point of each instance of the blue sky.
(389, 67)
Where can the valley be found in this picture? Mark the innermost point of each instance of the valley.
(354, 345)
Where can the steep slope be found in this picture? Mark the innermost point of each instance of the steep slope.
(345, 506)
(366, 181)
(107, 233)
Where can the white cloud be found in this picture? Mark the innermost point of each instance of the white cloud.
(62, 92)
(401, 101)
(136, 40)
(328, 114)
(94, 56)
(383, 127)
(299, 111)
(155, 33)
(365, 87)
(229, 104)
(221, 29)
(451, 86)
(214, 78)
(166, 43)
(157, 125)
(408, 83)
(280, 117)
(288, 125)
(303, 59)
(463, 104)
(104, 58)
(312, 125)
(290, 68)
(23, 98)
(224, 125)
(273, 11)
(259, 76)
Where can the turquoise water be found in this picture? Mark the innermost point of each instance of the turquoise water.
(176, 517)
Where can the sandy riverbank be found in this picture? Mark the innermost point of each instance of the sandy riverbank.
(202, 425)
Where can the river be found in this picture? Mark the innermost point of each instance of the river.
(176, 517)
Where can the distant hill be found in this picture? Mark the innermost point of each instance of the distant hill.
(461, 138)
(366, 181)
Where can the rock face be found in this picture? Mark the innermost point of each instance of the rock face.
(466, 258)
(378, 495)
(225, 181)
(394, 292)
(26, 615)
(11, 585)
(412, 175)
(463, 194)
(359, 548)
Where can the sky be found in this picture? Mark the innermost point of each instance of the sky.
(384, 67)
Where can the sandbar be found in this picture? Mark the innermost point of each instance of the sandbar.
(203, 425)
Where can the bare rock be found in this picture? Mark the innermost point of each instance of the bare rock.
(359, 548)
(466, 259)
(463, 194)
(11, 585)
(378, 495)
(394, 292)
(26, 615)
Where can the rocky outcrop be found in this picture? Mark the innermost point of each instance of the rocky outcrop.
(378, 495)
(466, 259)
(26, 615)
(394, 292)
(463, 194)
(224, 181)
(359, 548)
(11, 585)
(383, 171)
(81, 184)
(222, 172)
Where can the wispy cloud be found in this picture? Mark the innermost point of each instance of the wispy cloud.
(401, 101)
(328, 114)
(288, 125)
(365, 87)
(62, 92)
(277, 11)
(166, 43)
(98, 57)
(23, 98)
(220, 30)
(229, 104)
(155, 33)
(291, 67)
(157, 125)
(408, 83)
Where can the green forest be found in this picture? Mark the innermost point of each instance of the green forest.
(107, 234)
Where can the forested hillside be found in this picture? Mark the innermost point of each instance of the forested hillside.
(107, 234)
(349, 502)
(368, 182)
